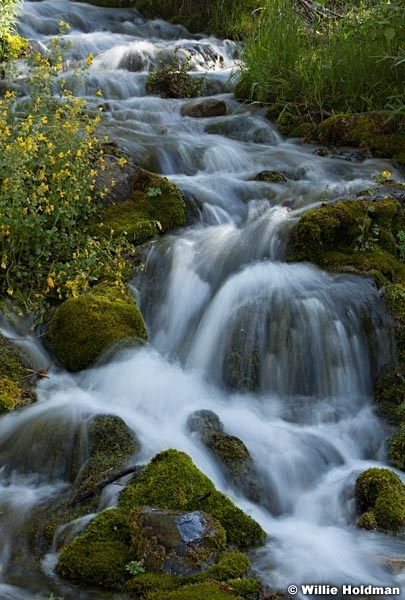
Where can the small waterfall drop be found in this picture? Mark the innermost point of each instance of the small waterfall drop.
(284, 354)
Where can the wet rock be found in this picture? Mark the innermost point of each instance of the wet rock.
(175, 542)
(231, 453)
(122, 174)
(244, 128)
(395, 564)
(83, 328)
(204, 422)
(210, 107)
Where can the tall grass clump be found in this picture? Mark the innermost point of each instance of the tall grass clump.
(353, 63)
(50, 157)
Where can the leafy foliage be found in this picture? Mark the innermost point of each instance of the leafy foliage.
(49, 160)
(173, 80)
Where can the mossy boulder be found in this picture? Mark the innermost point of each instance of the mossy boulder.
(173, 482)
(83, 328)
(154, 206)
(231, 453)
(14, 375)
(110, 444)
(9, 395)
(175, 542)
(270, 177)
(99, 556)
(352, 235)
(97, 449)
(384, 136)
(380, 496)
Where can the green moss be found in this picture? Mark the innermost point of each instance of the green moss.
(197, 591)
(395, 301)
(249, 589)
(99, 556)
(9, 395)
(145, 583)
(231, 566)
(12, 362)
(389, 393)
(155, 206)
(83, 328)
(373, 129)
(100, 564)
(367, 521)
(396, 448)
(381, 492)
(172, 481)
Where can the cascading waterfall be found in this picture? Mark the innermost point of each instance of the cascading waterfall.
(283, 353)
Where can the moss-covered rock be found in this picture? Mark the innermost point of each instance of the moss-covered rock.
(99, 556)
(9, 395)
(396, 448)
(232, 565)
(111, 444)
(14, 372)
(352, 235)
(231, 453)
(197, 591)
(380, 496)
(154, 207)
(384, 136)
(270, 177)
(389, 393)
(175, 542)
(172, 481)
(83, 328)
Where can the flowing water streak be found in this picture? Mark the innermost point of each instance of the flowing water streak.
(217, 297)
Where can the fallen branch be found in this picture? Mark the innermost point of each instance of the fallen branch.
(102, 484)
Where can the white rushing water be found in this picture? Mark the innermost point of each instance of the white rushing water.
(302, 402)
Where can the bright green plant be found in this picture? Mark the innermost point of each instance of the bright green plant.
(10, 44)
(135, 567)
(49, 161)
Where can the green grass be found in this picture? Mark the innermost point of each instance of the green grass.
(349, 64)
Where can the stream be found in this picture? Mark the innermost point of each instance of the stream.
(309, 342)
